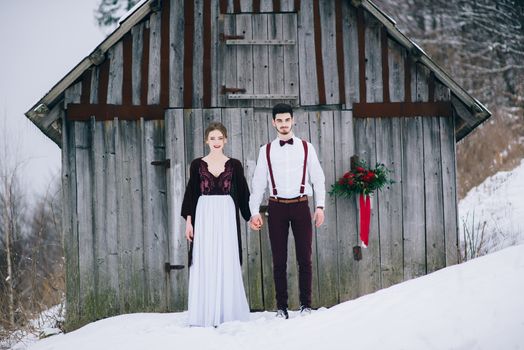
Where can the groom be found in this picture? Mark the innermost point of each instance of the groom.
(287, 165)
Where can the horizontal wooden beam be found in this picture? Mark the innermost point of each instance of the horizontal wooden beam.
(402, 109)
(261, 97)
(84, 112)
(259, 42)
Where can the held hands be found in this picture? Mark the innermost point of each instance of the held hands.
(256, 222)
(318, 217)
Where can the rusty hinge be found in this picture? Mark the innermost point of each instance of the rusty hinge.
(226, 90)
(165, 162)
(224, 37)
(168, 267)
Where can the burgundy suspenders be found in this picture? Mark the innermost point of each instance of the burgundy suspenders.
(303, 182)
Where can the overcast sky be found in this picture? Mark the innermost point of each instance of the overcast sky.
(41, 41)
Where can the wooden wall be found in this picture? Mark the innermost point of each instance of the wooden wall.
(122, 223)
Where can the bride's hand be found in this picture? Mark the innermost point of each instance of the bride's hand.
(189, 232)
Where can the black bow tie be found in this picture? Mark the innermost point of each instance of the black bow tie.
(282, 142)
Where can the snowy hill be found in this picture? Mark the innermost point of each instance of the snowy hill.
(495, 207)
(475, 305)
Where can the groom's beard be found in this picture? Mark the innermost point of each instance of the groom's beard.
(285, 131)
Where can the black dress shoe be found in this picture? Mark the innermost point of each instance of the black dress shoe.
(282, 313)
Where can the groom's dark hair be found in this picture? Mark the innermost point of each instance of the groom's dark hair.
(282, 108)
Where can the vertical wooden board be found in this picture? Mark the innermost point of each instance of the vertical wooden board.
(114, 88)
(373, 50)
(389, 153)
(69, 227)
(246, 6)
(93, 98)
(349, 29)
(369, 266)
(176, 53)
(153, 91)
(276, 56)
(254, 133)
(104, 219)
(346, 208)
(329, 57)
(84, 177)
(227, 61)
(245, 58)
(413, 198)
(198, 55)
(435, 243)
(209, 116)
(449, 178)
(216, 29)
(260, 59)
(287, 6)
(266, 6)
(306, 54)
(130, 218)
(261, 137)
(289, 30)
(322, 138)
(175, 144)
(136, 74)
(154, 209)
(194, 135)
(396, 58)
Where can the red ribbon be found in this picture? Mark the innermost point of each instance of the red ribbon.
(365, 218)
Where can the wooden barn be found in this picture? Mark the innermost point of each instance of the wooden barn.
(130, 117)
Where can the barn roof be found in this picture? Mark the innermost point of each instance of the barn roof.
(45, 117)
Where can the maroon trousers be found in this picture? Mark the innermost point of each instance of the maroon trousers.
(299, 216)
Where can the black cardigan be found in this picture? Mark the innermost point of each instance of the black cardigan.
(239, 192)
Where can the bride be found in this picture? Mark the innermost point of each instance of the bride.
(216, 191)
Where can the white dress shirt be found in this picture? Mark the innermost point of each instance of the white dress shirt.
(287, 163)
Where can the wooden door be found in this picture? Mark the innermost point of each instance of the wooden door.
(257, 61)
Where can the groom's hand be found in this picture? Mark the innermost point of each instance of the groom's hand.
(318, 217)
(256, 222)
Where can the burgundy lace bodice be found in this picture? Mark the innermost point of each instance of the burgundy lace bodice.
(212, 185)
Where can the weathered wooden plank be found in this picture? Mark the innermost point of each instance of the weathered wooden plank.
(136, 74)
(289, 30)
(69, 215)
(260, 59)
(307, 60)
(211, 115)
(84, 213)
(154, 209)
(322, 138)
(350, 33)
(176, 54)
(245, 58)
(329, 57)
(246, 6)
(254, 133)
(266, 5)
(369, 267)
(449, 177)
(373, 60)
(261, 137)
(129, 216)
(198, 55)
(389, 152)
(194, 135)
(175, 144)
(396, 57)
(104, 218)
(277, 65)
(227, 61)
(346, 208)
(215, 51)
(153, 91)
(413, 188)
(287, 6)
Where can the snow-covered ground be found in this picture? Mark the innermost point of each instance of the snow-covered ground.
(474, 305)
(495, 207)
